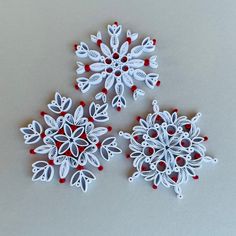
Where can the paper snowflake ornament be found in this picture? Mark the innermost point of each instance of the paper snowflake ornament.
(70, 141)
(117, 66)
(167, 149)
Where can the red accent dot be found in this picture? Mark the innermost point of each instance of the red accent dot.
(99, 41)
(87, 68)
(79, 167)
(109, 70)
(154, 186)
(128, 39)
(138, 118)
(43, 135)
(51, 162)
(42, 113)
(100, 168)
(81, 149)
(175, 110)
(158, 83)
(31, 151)
(62, 113)
(133, 88)
(83, 136)
(150, 150)
(116, 23)
(154, 41)
(205, 138)
(174, 178)
(75, 47)
(115, 55)
(98, 145)
(146, 62)
(108, 61)
(124, 59)
(109, 128)
(144, 168)
(188, 126)
(136, 138)
(125, 68)
(197, 155)
(118, 109)
(62, 181)
(91, 119)
(76, 87)
(104, 90)
(82, 103)
(196, 177)
(127, 156)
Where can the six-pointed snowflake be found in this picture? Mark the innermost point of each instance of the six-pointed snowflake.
(70, 142)
(117, 66)
(166, 149)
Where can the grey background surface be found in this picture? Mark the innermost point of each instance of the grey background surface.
(196, 54)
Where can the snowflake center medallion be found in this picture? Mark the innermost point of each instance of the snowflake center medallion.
(117, 65)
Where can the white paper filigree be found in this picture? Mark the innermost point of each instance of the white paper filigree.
(70, 142)
(116, 65)
(167, 149)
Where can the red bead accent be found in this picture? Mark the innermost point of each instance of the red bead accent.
(98, 145)
(154, 186)
(99, 41)
(91, 119)
(196, 177)
(116, 23)
(62, 113)
(175, 110)
(197, 155)
(125, 68)
(118, 109)
(158, 83)
(87, 68)
(100, 168)
(115, 55)
(154, 41)
(133, 88)
(43, 135)
(127, 156)
(150, 150)
(109, 128)
(75, 47)
(81, 149)
(42, 113)
(205, 138)
(82, 103)
(79, 167)
(51, 162)
(188, 126)
(109, 70)
(104, 90)
(174, 178)
(128, 39)
(31, 151)
(83, 136)
(124, 59)
(76, 87)
(138, 118)
(62, 181)
(158, 118)
(117, 73)
(108, 61)
(146, 62)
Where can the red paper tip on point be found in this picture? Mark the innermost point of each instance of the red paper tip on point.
(91, 119)
(62, 113)
(98, 145)
(51, 162)
(99, 41)
(196, 177)
(87, 68)
(79, 167)
(31, 151)
(109, 128)
(62, 181)
(118, 108)
(133, 88)
(146, 62)
(205, 138)
(188, 126)
(43, 135)
(138, 118)
(76, 86)
(82, 103)
(175, 110)
(75, 47)
(116, 23)
(104, 90)
(128, 39)
(42, 113)
(127, 156)
(154, 41)
(100, 168)
(154, 186)
(158, 83)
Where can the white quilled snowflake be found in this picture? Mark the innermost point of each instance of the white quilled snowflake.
(167, 149)
(117, 66)
(70, 142)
